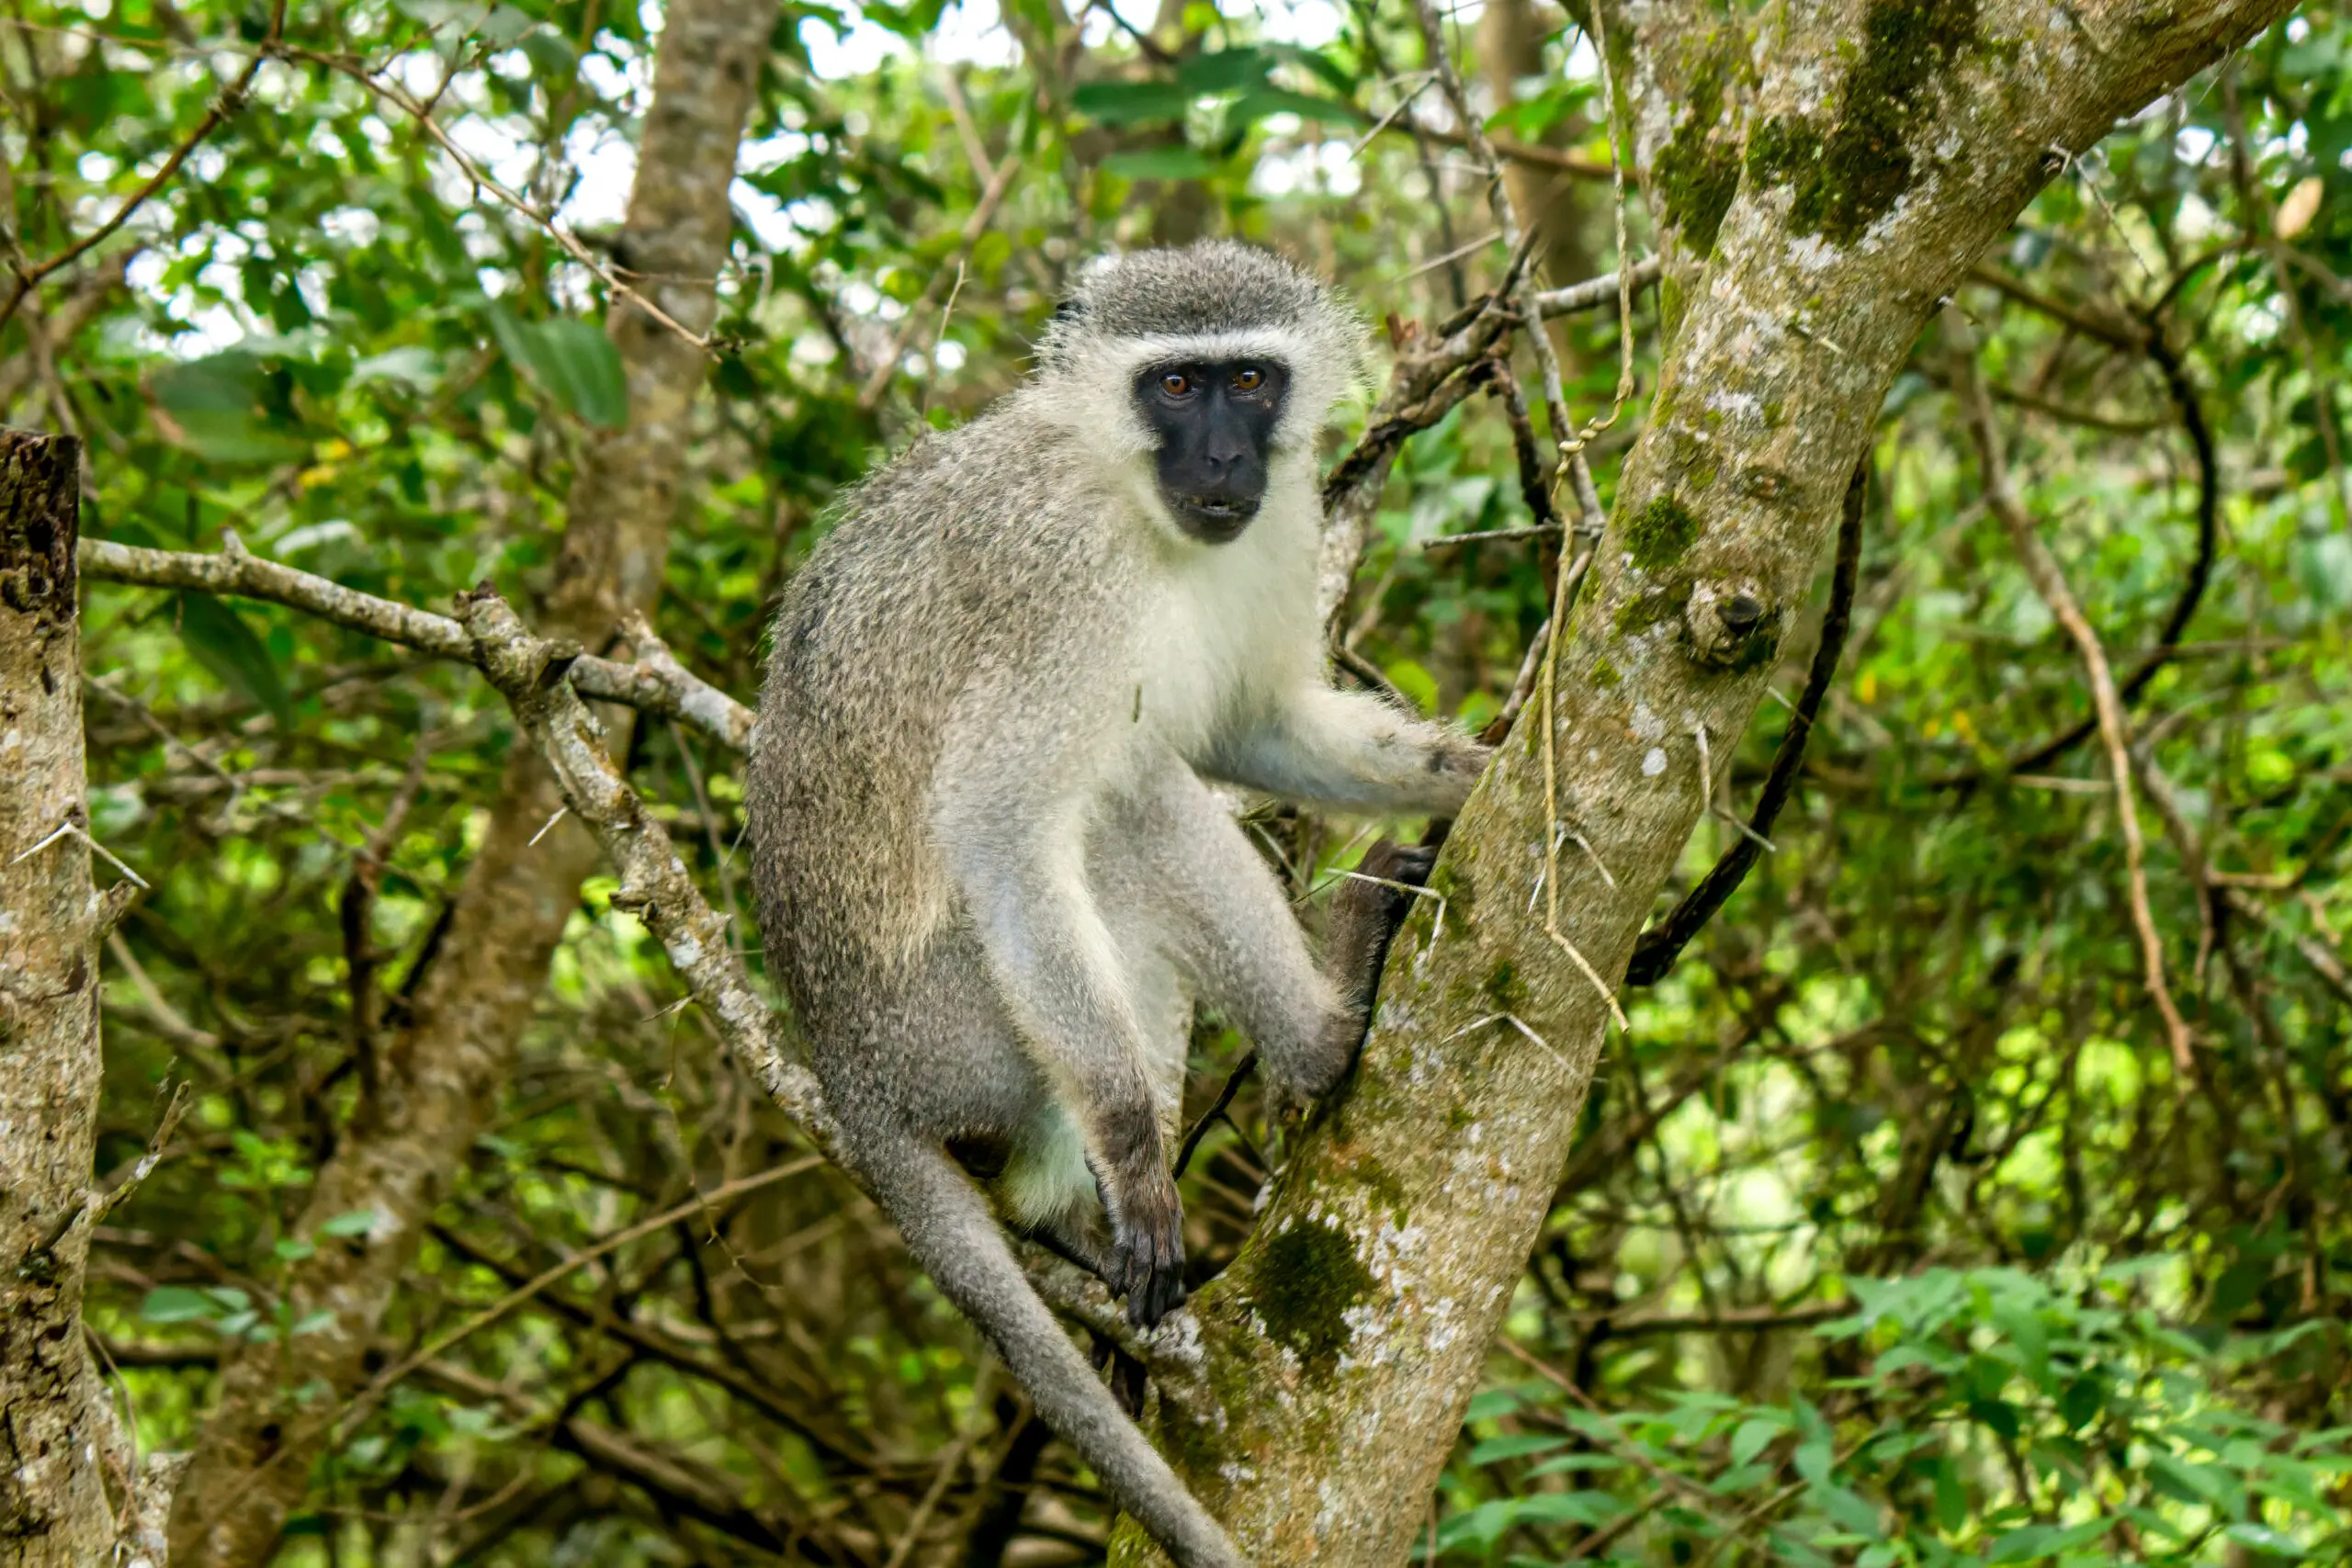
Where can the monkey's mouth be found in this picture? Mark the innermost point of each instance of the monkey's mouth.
(1215, 518)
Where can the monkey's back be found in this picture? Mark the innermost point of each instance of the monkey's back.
(969, 559)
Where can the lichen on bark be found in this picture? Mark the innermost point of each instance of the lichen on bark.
(1850, 177)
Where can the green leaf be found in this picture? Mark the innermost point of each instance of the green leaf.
(1223, 70)
(1131, 102)
(2022, 1326)
(588, 371)
(2196, 1484)
(220, 383)
(1848, 1509)
(312, 1323)
(409, 365)
(1755, 1434)
(292, 1249)
(178, 1303)
(227, 647)
(2262, 1537)
(215, 404)
(572, 361)
(1412, 678)
(1334, 76)
(550, 53)
(1952, 1498)
(1161, 164)
(504, 26)
(1566, 1463)
(1260, 101)
(1570, 1508)
(1516, 1446)
(358, 1222)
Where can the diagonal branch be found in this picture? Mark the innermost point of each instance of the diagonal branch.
(2050, 582)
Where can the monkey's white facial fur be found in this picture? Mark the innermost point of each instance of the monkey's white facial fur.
(1218, 304)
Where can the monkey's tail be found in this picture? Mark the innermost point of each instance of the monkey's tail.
(956, 1237)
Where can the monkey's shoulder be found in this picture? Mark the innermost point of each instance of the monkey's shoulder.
(985, 518)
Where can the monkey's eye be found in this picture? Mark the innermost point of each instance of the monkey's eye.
(1248, 378)
(1175, 383)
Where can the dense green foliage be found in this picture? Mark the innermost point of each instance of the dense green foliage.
(1893, 1235)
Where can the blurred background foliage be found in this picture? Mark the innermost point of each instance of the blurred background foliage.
(1892, 1236)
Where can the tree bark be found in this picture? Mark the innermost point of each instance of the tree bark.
(1823, 176)
(440, 1079)
(56, 1430)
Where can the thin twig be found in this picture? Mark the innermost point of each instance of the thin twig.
(2041, 569)
(421, 111)
(227, 103)
(366, 1399)
(879, 379)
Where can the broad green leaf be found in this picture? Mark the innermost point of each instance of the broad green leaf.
(1754, 1436)
(179, 1303)
(1262, 100)
(1571, 1508)
(1161, 164)
(1223, 70)
(1516, 1446)
(572, 361)
(1132, 103)
(228, 648)
(409, 364)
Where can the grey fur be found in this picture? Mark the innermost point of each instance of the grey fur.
(988, 871)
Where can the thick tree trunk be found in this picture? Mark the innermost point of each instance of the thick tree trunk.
(439, 1081)
(56, 1430)
(1823, 180)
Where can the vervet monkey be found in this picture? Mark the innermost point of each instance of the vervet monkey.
(989, 873)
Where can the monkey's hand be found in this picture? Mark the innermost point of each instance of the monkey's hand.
(1147, 1229)
(1458, 760)
(1365, 912)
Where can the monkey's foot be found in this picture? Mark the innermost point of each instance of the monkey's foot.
(1148, 1248)
(1365, 912)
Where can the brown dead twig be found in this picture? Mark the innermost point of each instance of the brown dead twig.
(2049, 581)
(1426, 382)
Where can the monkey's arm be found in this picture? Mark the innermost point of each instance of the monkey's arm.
(1015, 850)
(1350, 749)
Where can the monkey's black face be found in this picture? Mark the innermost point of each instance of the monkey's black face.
(1215, 424)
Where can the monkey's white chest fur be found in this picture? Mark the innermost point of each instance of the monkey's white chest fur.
(1233, 625)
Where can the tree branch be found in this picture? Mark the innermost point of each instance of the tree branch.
(2050, 582)
(655, 684)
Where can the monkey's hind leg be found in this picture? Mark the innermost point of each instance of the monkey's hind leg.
(956, 1238)
(1365, 915)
